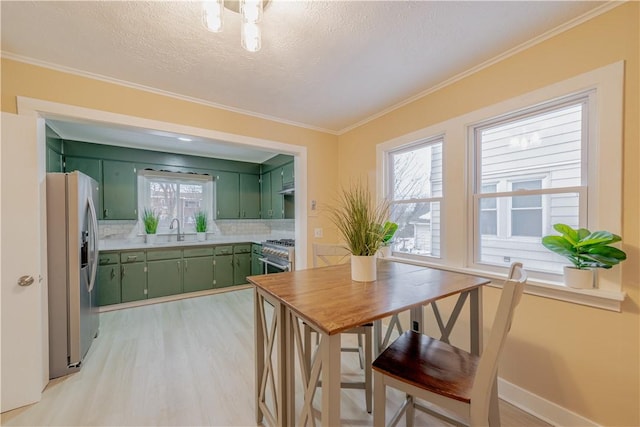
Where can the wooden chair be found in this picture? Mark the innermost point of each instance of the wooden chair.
(331, 254)
(451, 379)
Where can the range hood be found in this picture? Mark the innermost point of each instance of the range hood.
(287, 189)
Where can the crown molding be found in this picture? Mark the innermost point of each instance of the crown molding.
(111, 80)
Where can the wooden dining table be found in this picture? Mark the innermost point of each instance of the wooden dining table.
(328, 301)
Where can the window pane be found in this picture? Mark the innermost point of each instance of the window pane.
(417, 174)
(528, 225)
(526, 222)
(175, 195)
(489, 220)
(418, 228)
(548, 143)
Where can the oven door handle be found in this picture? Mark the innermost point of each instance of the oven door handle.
(281, 267)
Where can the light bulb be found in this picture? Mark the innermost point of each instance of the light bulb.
(251, 10)
(212, 15)
(251, 39)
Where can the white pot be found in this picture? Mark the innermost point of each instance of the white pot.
(363, 268)
(151, 238)
(384, 251)
(579, 278)
(201, 236)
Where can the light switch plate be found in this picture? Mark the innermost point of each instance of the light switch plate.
(317, 232)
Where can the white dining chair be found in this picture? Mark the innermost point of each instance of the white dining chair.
(461, 387)
(332, 254)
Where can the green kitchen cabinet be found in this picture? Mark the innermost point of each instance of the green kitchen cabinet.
(133, 281)
(287, 174)
(277, 199)
(227, 195)
(108, 279)
(90, 167)
(198, 269)
(249, 196)
(54, 161)
(241, 263)
(223, 272)
(119, 190)
(266, 210)
(164, 272)
(257, 267)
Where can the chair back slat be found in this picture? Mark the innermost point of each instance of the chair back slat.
(488, 366)
(329, 254)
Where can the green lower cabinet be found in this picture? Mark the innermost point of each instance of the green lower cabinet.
(133, 281)
(257, 267)
(242, 268)
(164, 277)
(108, 285)
(198, 274)
(223, 273)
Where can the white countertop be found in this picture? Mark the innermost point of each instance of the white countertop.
(166, 241)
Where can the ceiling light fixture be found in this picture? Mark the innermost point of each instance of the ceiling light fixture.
(251, 14)
(182, 138)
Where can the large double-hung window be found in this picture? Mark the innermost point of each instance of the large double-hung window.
(175, 195)
(415, 192)
(530, 173)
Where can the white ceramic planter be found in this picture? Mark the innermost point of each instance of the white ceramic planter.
(363, 268)
(201, 236)
(579, 278)
(151, 238)
(384, 251)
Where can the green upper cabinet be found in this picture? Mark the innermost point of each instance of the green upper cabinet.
(228, 195)
(277, 199)
(119, 190)
(54, 160)
(90, 167)
(265, 196)
(237, 195)
(287, 174)
(249, 196)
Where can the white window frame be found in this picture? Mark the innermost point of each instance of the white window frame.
(436, 139)
(604, 196)
(588, 99)
(181, 178)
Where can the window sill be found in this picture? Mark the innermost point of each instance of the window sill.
(598, 298)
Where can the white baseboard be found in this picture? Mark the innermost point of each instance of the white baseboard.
(541, 408)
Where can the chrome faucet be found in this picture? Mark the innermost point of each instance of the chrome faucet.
(180, 235)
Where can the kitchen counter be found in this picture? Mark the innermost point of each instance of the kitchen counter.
(165, 241)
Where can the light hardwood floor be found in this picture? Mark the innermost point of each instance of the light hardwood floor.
(187, 362)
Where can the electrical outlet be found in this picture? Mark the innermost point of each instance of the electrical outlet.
(317, 232)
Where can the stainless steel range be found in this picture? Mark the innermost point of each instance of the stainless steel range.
(278, 255)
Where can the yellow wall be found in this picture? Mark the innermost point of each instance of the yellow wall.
(581, 358)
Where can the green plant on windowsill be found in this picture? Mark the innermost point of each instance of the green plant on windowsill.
(150, 220)
(585, 249)
(201, 221)
(390, 229)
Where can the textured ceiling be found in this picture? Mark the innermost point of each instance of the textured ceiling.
(323, 64)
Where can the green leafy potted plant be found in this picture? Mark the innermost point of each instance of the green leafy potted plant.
(586, 251)
(358, 220)
(390, 230)
(201, 225)
(150, 220)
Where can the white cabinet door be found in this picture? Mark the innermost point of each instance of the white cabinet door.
(24, 309)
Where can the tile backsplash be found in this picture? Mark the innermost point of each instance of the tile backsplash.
(276, 227)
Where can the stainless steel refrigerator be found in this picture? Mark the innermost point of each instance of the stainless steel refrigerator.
(72, 247)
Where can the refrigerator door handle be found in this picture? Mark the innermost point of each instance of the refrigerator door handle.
(94, 238)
